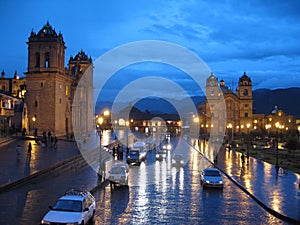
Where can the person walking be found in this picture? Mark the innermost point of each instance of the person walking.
(243, 158)
(55, 142)
(18, 150)
(29, 148)
(51, 141)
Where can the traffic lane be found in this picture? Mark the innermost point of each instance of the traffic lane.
(176, 199)
(27, 205)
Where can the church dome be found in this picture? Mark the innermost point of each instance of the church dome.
(47, 33)
(212, 80)
(80, 56)
(245, 80)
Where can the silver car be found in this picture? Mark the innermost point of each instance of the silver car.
(211, 177)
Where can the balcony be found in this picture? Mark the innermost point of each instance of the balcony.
(6, 112)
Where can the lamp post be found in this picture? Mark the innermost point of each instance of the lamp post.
(277, 125)
(101, 167)
(127, 127)
(248, 139)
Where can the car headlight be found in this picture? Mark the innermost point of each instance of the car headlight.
(181, 161)
(220, 182)
(157, 155)
(207, 181)
(45, 222)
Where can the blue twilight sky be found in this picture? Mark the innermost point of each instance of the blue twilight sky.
(259, 37)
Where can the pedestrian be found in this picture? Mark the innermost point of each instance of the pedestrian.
(35, 132)
(49, 135)
(55, 142)
(114, 151)
(18, 149)
(29, 150)
(243, 158)
(52, 140)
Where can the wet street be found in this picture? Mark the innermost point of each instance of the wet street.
(175, 196)
(158, 193)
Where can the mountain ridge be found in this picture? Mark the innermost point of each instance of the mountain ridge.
(264, 101)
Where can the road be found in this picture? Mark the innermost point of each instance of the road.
(158, 193)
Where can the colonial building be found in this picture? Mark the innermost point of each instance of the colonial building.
(7, 105)
(16, 86)
(238, 105)
(50, 86)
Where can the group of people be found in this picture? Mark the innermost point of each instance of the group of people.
(118, 152)
(52, 139)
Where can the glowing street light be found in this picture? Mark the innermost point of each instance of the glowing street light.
(106, 113)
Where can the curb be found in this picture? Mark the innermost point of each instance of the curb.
(257, 200)
(73, 162)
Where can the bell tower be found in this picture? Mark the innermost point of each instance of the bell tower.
(244, 93)
(47, 82)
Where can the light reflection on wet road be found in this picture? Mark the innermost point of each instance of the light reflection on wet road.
(167, 195)
(175, 196)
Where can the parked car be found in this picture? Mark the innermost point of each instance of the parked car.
(161, 155)
(75, 207)
(211, 177)
(118, 174)
(177, 160)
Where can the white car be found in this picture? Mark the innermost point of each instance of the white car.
(211, 177)
(75, 207)
(118, 174)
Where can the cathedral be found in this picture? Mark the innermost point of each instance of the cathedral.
(50, 86)
(238, 106)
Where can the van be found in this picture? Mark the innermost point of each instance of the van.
(142, 148)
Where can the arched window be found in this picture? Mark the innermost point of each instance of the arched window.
(37, 59)
(47, 60)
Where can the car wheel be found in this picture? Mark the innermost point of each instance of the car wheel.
(93, 216)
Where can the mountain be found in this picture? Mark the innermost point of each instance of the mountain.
(288, 100)
(264, 101)
(153, 105)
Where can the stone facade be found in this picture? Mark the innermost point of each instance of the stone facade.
(50, 86)
(238, 106)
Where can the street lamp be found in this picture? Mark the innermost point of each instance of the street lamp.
(277, 125)
(101, 162)
(127, 127)
(248, 141)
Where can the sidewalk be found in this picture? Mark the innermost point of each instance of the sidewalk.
(13, 167)
(278, 189)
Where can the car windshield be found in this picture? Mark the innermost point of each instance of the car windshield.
(212, 173)
(117, 170)
(177, 157)
(161, 152)
(68, 205)
(134, 154)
